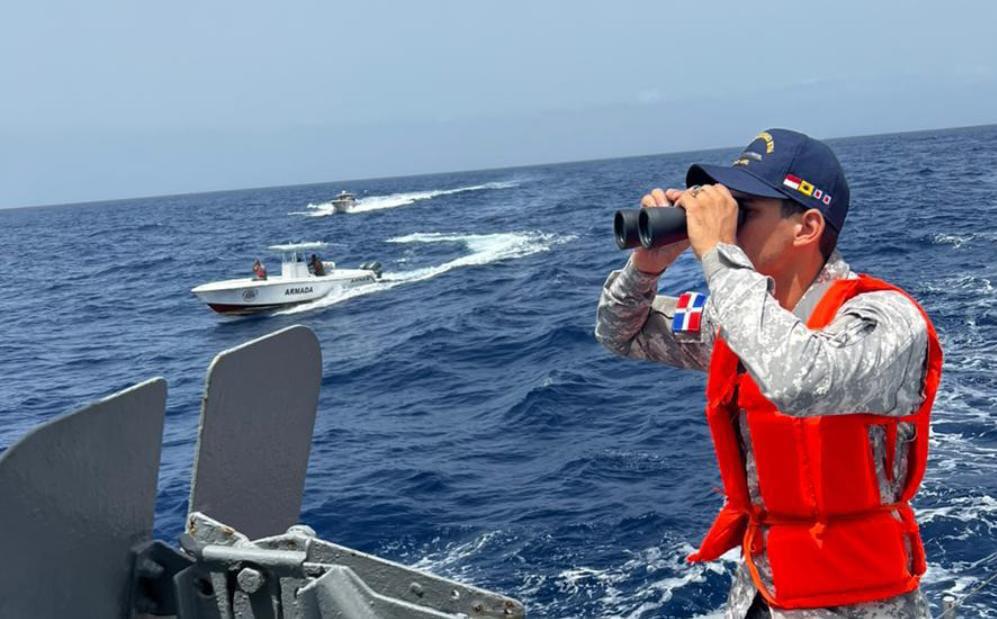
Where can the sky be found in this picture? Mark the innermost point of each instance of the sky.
(125, 98)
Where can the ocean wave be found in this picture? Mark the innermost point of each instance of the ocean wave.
(664, 572)
(959, 240)
(978, 287)
(451, 558)
(601, 591)
(964, 509)
(962, 587)
(484, 248)
(394, 200)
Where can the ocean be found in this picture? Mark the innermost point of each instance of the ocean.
(469, 424)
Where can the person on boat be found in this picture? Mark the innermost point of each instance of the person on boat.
(315, 266)
(820, 383)
(259, 271)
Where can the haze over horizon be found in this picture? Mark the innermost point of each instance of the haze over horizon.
(114, 99)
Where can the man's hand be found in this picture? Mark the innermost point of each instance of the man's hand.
(655, 260)
(711, 217)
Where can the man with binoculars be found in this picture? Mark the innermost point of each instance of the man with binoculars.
(820, 382)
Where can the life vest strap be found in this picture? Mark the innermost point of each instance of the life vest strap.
(760, 517)
(891, 449)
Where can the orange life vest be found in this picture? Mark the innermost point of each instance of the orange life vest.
(830, 541)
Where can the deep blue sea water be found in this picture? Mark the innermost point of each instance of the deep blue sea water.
(468, 422)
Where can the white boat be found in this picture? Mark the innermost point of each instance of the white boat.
(299, 282)
(343, 202)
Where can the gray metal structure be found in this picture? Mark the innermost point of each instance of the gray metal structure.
(299, 575)
(259, 398)
(77, 498)
(76, 494)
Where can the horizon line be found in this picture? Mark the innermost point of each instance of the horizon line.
(466, 171)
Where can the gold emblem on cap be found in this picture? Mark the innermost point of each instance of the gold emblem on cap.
(769, 141)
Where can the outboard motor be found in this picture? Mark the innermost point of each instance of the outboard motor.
(374, 266)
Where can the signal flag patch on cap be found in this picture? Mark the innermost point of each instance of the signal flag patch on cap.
(807, 189)
(688, 313)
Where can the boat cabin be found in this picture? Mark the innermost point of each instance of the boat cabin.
(343, 202)
(294, 258)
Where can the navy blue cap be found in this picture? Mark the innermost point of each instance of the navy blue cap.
(780, 163)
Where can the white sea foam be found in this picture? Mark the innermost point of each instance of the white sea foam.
(604, 586)
(454, 556)
(394, 200)
(954, 240)
(588, 582)
(970, 284)
(966, 509)
(965, 448)
(958, 240)
(484, 249)
(963, 588)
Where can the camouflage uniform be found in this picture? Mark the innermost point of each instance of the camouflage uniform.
(870, 358)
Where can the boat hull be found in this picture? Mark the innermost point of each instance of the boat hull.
(244, 310)
(246, 296)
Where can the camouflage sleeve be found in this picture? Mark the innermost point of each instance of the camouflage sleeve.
(869, 359)
(634, 322)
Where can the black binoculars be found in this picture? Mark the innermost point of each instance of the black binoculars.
(649, 227)
(652, 227)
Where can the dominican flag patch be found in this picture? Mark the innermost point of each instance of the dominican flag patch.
(688, 313)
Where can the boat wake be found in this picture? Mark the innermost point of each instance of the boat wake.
(394, 200)
(484, 249)
(599, 591)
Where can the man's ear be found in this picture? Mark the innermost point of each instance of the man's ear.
(810, 228)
